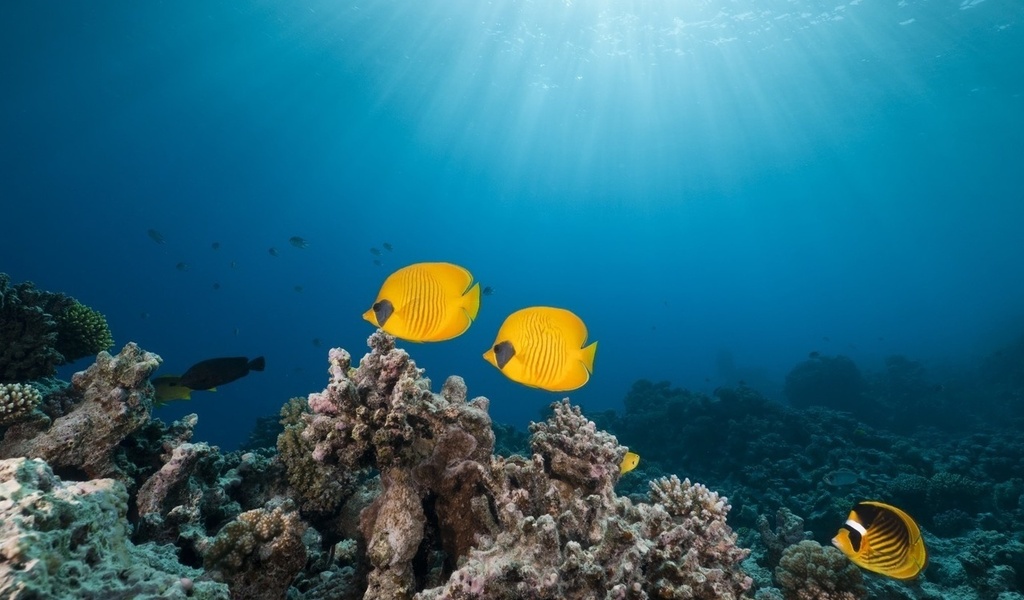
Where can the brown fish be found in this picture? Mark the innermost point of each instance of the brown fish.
(218, 371)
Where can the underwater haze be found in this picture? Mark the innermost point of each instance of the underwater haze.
(717, 188)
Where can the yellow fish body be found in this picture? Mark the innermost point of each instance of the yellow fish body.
(169, 388)
(543, 347)
(629, 462)
(426, 302)
(883, 539)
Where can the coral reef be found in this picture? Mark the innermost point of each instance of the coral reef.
(116, 400)
(17, 401)
(41, 330)
(70, 540)
(832, 381)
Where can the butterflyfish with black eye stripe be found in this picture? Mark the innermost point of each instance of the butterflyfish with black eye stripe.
(883, 539)
(426, 302)
(543, 347)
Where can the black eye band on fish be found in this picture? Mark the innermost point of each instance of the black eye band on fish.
(857, 533)
(383, 311)
(504, 352)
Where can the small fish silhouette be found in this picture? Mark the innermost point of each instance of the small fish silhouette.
(298, 242)
(274, 252)
(181, 266)
(155, 236)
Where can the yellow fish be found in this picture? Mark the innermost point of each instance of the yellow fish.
(629, 462)
(542, 347)
(883, 539)
(168, 388)
(426, 302)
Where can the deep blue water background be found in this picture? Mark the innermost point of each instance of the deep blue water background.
(716, 188)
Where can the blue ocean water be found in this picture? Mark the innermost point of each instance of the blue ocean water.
(717, 188)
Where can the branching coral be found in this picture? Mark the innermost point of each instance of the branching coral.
(81, 332)
(17, 401)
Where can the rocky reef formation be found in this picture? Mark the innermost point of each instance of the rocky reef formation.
(380, 488)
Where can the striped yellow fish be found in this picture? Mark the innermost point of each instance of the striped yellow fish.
(542, 347)
(883, 539)
(426, 302)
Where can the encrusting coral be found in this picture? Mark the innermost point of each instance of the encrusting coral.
(260, 552)
(70, 540)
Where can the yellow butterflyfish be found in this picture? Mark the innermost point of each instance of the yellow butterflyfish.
(426, 302)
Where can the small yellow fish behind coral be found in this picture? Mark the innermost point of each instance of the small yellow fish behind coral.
(629, 462)
(542, 347)
(883, 539)
(168, 389)
(426, 302)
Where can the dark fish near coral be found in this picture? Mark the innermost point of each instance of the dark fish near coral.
(426, 302)
(841, 478)
(155, 236)
(216, 285)
(233, 264)
(274, 252)
(377, 263)
(487, 291)
(298, 288)
(814, 354)
(168, 388)
(316, 342)
(181, 266)
(215, 245)
(298, 242)
(387, 246)
(218, 371)
(883, 539)
(374, 251)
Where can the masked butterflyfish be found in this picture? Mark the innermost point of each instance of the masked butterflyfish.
(883, 539)
(543, 347)
(426, 302)
(629, 462)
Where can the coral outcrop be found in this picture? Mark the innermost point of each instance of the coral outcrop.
(810, 571)
(453, 521)
(116, 398)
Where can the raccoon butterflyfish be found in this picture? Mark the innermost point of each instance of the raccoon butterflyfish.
(426, 302)
(168, 389)
(629, 462)
(218, 371)
(883, 539)
(542, 347)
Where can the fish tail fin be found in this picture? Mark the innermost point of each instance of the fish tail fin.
(471, 301)
(257, 364)
(588, 357)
